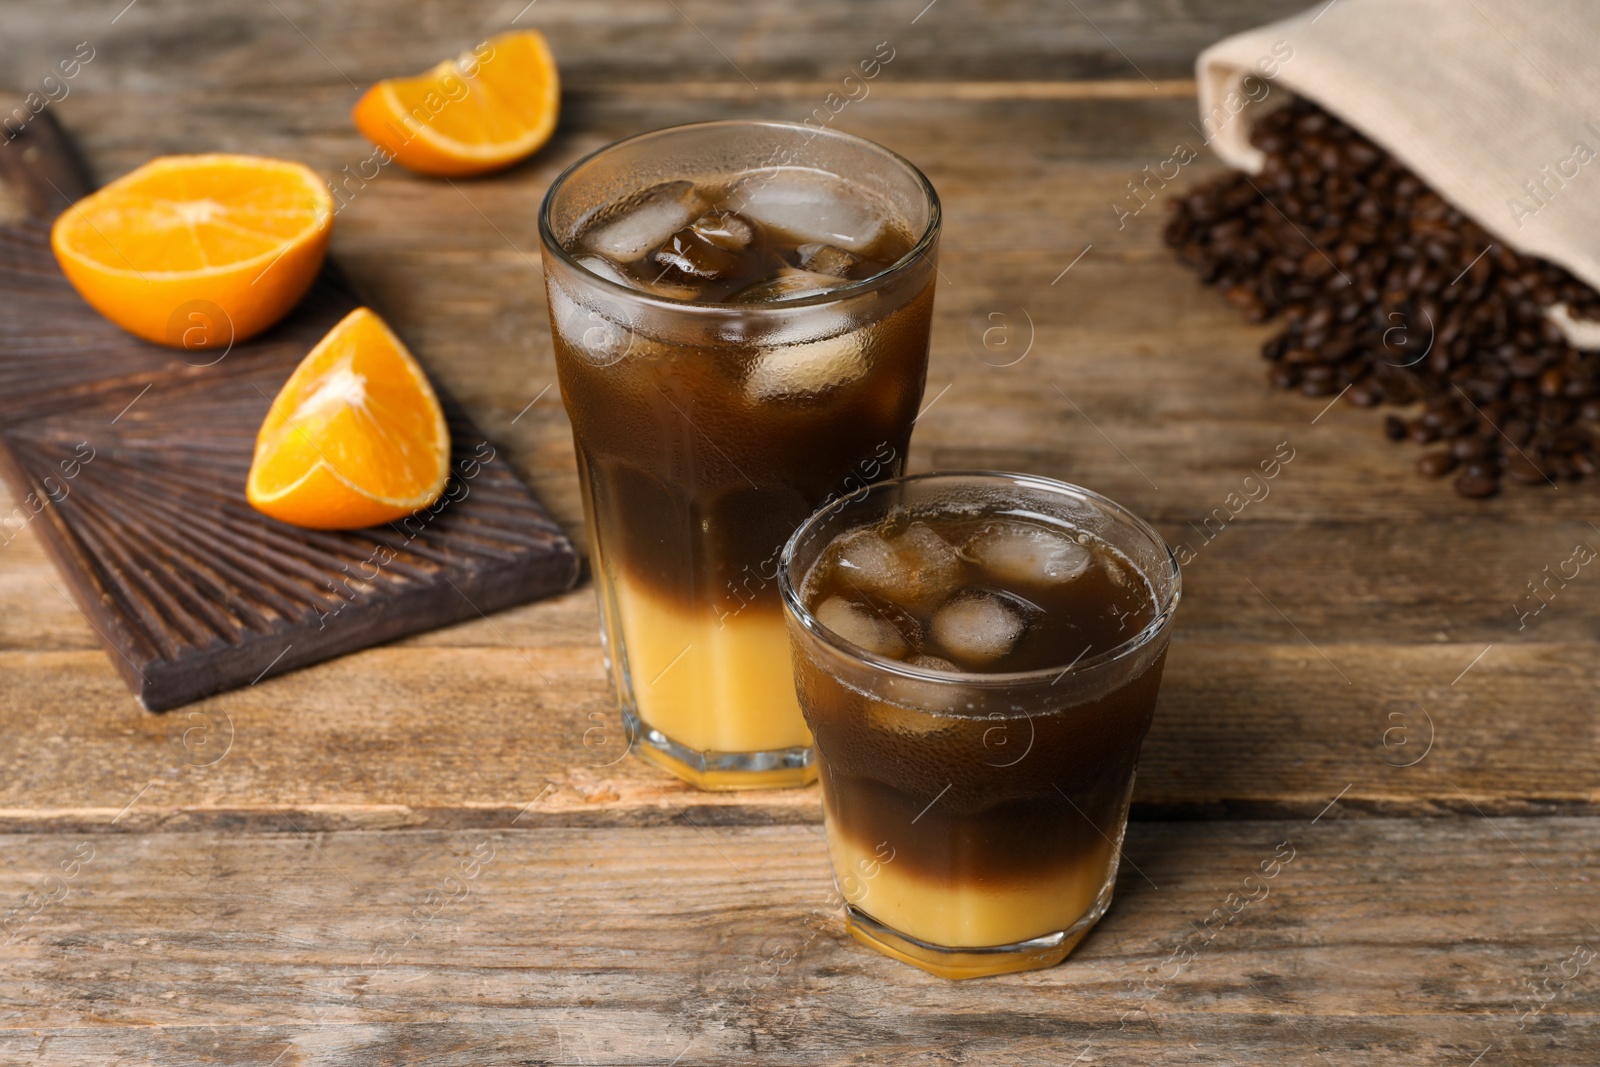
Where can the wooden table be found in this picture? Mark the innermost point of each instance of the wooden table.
(436, 852)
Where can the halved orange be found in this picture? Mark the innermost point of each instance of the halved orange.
(355, 437)
(483, 110)
(197, 251)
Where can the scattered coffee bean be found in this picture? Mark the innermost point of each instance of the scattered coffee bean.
(1388, 293)
(1524, 470)
(1423, 433)
(1437, 464)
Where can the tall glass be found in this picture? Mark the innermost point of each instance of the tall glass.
(707, 432)
(975, 820)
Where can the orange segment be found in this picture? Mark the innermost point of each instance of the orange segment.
(481, 111)
(224, 243)
(355, 437)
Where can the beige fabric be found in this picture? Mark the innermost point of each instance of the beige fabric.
(1494, 103)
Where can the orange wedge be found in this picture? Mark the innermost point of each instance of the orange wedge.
(197, 251)
(480, 111)
(355, 437)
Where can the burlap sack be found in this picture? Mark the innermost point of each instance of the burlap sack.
(1494, 103)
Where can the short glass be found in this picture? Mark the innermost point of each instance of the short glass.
(975, 821)
(707, 432)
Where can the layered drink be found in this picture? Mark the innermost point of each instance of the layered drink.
(740, 314)
(978, 657)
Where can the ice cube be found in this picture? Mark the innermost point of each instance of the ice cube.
(862, 625)
(670, 290)
(788, 284)
(826, 259)
(608, 270)
(932, 663)
(584, 328)
(915, 567)
(810, 205)
(977, 627)
(602, 267)
(913, 697)
(1028, 554)
(686, 254)
(806, 369)
(647, 223)
(724, 229)
(716, 245)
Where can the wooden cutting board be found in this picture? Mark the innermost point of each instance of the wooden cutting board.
(129, 462)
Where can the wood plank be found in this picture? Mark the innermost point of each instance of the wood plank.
(191, 589)
(1396, 580)
(200, 46)
(1339, 581)
(721, 945)
(384, 738)
(1026, 185)
(635, 925)
(242, 905)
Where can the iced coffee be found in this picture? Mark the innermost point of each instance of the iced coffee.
(740, 314)
(978, 657)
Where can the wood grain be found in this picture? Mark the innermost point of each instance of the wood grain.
(1027, 185)
(293, 44)
(720, 945)
(262, 860)
(1394, 579)
(386, 738)
(191, 590)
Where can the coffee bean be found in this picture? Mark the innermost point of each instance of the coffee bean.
(1243, 298)
(1379, 282)
(1422, 433)
(1523, 469)
(1436, 464)
(1362, 396)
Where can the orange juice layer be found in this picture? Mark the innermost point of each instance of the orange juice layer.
(961, 914)
(711, 685)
